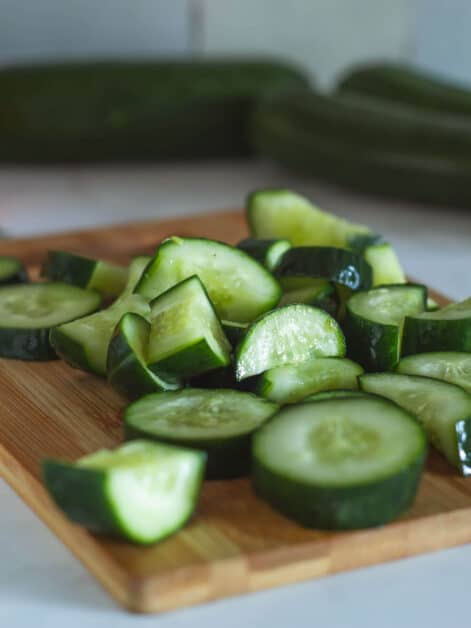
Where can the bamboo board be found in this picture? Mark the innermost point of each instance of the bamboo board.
(235, 543)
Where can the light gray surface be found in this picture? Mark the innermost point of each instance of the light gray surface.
(40, 581)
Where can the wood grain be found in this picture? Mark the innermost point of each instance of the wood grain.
(235, 543)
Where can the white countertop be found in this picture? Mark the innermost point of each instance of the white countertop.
(41, 581)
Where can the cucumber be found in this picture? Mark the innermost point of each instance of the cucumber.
(447, 329)
(280, 213)
(452, 367)
(134, 110)
(335, 394)
(29, 311)
(106, 278)
(293, 382)
(385, 264)
(239, 287)
(234, 331)
(135, 271)
(127, 371)
(340, 266)
(317, 292)
(141, 491)
(288, 335)
(186, 337)
(432, 305)
(84, 343)
(267, 252)
(374, 320)
(219, 422)
(443, 409)
(340, 463)
(12, 271)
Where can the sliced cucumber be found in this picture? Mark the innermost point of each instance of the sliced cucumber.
(288, 335)
(106, 278)
(234, 331)
(339, 463)
(373, 323)
(12, 271)
(84, 343)
(219, 422)
(29, 311)
(126, 364)
(385, 264)
(240, 288)
(278, 213)
(293, 382)
(267, 252)
(447, 329)
(318, 292)
(186, 336)
(452, 367)
(142, 491)
(444, 410)
(343, 267)
(135, 271)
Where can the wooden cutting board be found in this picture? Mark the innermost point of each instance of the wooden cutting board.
(235, 543)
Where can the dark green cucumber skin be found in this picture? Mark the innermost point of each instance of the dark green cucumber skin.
(338, 265)
(234, 334)
(257, 248)
(73, 269)
(142, 110)
(184, 364)
(342, 508)
(70, 351)
(19, 276)
(26, 344)
(428, 335)
(223, 378)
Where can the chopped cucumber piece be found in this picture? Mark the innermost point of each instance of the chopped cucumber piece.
(186, 336)
(340, 463)
(452, 367)
(278, 213)
(443, 409)
(317, 292)
(288, 335)
(374, 320)
(219, 422)
(126, 364)
(135, 271)
(240, 288)
(447, 329)
(142, 491)
(12, 271)
(267, 252)
(29, 311)
(292, 382)
(234, 331)
(385, 264)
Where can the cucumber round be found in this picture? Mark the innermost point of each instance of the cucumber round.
(219, 422)
(452, 367)
(288, 335)
(340, 463)
(12, 271)
(267, 252)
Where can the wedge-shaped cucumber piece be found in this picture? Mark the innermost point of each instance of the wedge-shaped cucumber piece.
(448, 329)
(267, 252)
(142, 491)
(278, 213)
(126, 365)
(293, 382)
(29, 311)
(12, 271)
(452, 367)
(443, 409)
(288, 335)
(385, 264)
(219, 422)
(340, 463)
(240, 288)
(373, 323)
(186, 336)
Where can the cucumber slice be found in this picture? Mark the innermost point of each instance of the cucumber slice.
(219, 422)
(234, 331)
(340, 463)
(135, 271)
(106, 278)
(240, 288)
(29, 311)
(335, 394)
(447, 329)
(317, 292)
(293, 382)
(343, 267)
(267, 252)
(374, 321)
(186, 337)
(142, 491)
(84, 343)
(126, 364)
(385, 264)
(288, 335)
(452, 367)
(278, 213)
(12, 271)
(444, 410)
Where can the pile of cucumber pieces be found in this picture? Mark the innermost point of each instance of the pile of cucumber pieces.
(300, 357)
